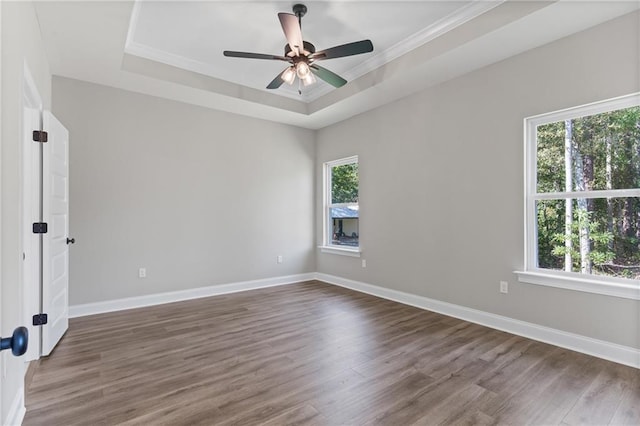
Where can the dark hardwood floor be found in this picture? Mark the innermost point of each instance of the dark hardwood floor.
(313, 353)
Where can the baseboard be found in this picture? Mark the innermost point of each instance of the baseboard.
(176, 296)
(610, 351)
(598, 348)
(17, 410)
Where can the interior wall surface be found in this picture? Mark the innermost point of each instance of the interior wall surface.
(195, 196)
(442, 182)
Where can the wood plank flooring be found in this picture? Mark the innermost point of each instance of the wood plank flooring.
(316, 354)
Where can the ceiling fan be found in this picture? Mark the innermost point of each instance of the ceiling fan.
(302, 55)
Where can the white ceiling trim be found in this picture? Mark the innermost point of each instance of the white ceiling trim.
(440, 27)
(133, 23)
(187, 64)
(151, 53)
(84, 40)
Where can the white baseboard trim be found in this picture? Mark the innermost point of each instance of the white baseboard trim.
(599, 348)
(176, 296)
(602, 349)
(17, 410)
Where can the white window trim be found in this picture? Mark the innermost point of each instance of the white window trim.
(610, 286)
(352, 252)
(326, 246)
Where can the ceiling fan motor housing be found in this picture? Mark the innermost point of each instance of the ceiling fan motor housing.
(306, 46)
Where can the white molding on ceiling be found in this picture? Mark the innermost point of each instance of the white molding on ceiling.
(138, 49)
(440, 27)
(433, 31)
(133, 23)
(171, 59)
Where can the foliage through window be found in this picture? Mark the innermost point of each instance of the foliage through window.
(341, 203)
(583, 201)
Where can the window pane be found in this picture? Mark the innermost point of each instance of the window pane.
(600, 236)
(344, 183)
(603, 152)
(345, 223)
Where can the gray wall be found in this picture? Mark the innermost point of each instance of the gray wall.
(21, 44)
(196, 196)
(441, 182)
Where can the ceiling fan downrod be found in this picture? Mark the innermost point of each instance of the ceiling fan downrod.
(299, 10)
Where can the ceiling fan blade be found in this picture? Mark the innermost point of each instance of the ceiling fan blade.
(349, 49)
(276, 82)
(249, 55)
(329, 76)
(292, 32)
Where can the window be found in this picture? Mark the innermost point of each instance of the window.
(583, 198)
(341, 209)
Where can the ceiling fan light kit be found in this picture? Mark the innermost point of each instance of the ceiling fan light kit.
(289, 75)
(302, 55)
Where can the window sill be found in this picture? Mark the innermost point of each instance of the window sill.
(353, 252)
(588, 285)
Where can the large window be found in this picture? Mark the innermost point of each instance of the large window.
(583, 198)
(341, 209)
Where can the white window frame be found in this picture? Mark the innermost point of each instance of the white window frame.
(532, 274)
(327, 224)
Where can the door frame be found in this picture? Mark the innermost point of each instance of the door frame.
(30, 205)
(2, 359)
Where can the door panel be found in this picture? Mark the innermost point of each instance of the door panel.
(55, 266)
(31, 214)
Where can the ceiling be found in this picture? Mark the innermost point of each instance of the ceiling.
(193, 35)
(174, 49)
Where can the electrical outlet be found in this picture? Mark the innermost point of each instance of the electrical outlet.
(279, 259)
(364, 263)
(504, 287)
(142, 273)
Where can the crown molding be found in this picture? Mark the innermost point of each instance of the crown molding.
(440, 27)
(433, 31)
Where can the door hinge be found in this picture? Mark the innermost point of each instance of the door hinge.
(40, 319)
(40, 136)
(40, 228)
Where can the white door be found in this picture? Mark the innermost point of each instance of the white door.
(31, 215)
(55, 253)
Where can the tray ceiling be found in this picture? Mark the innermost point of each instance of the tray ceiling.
(174, 50)
(192, 35)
